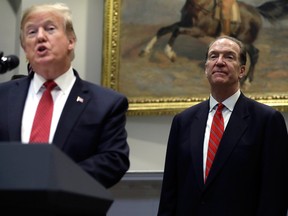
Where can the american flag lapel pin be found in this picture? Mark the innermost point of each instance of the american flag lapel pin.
(80, 99)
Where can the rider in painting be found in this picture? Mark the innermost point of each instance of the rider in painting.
(227, 11)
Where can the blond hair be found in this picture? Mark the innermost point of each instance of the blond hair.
(60, 8)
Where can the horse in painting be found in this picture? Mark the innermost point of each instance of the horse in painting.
(198, 20)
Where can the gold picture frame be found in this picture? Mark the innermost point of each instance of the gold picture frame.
(155, 104)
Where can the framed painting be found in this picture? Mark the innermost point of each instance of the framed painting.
(159, 79)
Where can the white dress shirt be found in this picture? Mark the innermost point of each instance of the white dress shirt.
(60, 94)
(229, 104)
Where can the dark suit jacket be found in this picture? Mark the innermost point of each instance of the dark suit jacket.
(249, 173)
(91, 132)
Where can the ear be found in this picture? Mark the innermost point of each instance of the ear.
(242, 71)
(205, 69)
(206, 72)
(71, 41)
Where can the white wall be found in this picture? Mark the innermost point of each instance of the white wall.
(8, 28)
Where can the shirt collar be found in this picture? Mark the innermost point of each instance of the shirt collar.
(229, 103)
(63, 82)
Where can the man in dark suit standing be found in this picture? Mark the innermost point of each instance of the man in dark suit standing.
(88, 121)
(248, 176)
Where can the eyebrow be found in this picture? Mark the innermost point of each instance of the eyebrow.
(224, 52)
(46, 22)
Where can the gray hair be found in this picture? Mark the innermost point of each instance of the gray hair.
(243, 51)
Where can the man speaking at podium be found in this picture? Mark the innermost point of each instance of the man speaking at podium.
(54, 105)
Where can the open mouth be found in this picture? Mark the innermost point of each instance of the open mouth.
(41, 49)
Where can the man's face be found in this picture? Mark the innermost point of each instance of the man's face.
(45, 41)
(223, 65)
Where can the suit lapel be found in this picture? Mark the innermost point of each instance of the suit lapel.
(17, 97)
(236, 127)
(75, 104)
(198, 130)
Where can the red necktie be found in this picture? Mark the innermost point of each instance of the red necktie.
(217, 129)
(42, 120)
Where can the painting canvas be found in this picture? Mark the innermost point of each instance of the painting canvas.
(157, 84)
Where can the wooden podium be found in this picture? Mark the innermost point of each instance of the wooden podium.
(39, 179)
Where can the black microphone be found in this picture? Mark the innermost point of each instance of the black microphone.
(8, 62)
